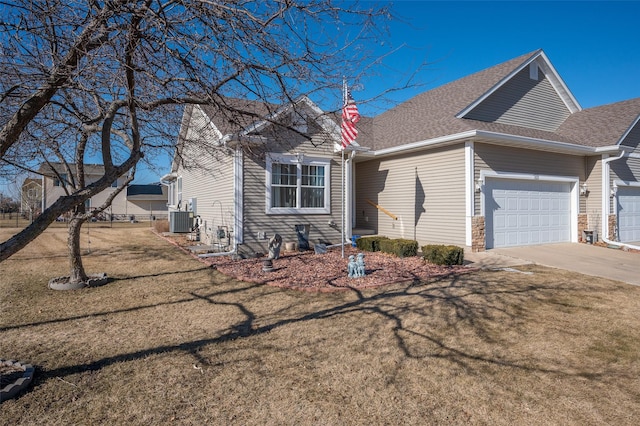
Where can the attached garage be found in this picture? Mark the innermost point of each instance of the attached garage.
(526, 212)
(628, 210)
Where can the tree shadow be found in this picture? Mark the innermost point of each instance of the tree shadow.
(468, 306)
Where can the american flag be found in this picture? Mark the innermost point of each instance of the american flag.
(350, 116)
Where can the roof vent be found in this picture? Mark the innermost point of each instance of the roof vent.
(533, 71)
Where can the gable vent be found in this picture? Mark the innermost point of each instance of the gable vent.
(533, 71)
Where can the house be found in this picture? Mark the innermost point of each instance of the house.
(31, 198)
(503, 157)
(139, 202)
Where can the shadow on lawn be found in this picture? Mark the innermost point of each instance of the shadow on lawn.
(133, 309)
(418, 312)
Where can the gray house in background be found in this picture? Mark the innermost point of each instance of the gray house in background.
(142, 202)
(504, 157)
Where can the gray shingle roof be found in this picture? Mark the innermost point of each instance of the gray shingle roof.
(231, 115)
(603, 125)
(432, 114)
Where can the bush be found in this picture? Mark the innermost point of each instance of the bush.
(400, 247)
(161, 225)
(443, 255)
(370, 243)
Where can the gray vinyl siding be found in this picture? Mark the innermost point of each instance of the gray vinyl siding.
(426, 192)
(256, 220)
(633, 139)
(593, 201)
(516, 160)
(625, 169)
(523, 102)
(207, 176)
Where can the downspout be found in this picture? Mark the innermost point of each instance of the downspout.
(606, 179)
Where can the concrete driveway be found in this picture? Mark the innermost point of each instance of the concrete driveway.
(587, 259)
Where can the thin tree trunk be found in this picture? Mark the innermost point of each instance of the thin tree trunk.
(78, 274)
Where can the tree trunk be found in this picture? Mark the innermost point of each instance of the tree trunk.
(78, 274)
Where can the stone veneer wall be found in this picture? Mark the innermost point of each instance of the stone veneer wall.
(477, 234)
(613, 222)
(583, 225)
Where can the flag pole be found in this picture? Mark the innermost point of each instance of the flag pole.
(344, 102)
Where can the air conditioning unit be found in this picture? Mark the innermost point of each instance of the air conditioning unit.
(180, 222)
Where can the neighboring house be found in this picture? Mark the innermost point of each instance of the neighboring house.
(140, 202)
(504, 157)
(31, 197)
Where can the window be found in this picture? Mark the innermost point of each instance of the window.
(60, 182)
(297, 185)
(114, 184)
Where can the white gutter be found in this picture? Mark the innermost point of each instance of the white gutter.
(168, 177)
(606, 171)
(564, 147)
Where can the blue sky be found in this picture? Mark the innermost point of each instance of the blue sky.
(592, 44)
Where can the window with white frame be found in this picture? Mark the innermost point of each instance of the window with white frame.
(297, 185)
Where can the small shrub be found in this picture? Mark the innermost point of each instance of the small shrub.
(443, 255)
(370, 243)
(161, 225)
(399, 247)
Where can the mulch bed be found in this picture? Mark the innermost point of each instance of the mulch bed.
(326, 272)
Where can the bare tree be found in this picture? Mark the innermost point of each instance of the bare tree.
(107, 78)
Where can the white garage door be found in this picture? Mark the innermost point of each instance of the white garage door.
(522, 212)
(629, 214)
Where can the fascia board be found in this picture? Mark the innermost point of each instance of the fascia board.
(424, 144)
(626, 133)
(558, 83)
(261, 124)
(537, 143)
(506, 139)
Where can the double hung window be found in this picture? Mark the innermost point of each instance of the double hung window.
(297, 185)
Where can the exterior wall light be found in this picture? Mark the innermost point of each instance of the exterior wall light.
(614, 189)
(584, 189)
(479, 185)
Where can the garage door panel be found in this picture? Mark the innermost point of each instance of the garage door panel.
(525, 212)
(628, 206)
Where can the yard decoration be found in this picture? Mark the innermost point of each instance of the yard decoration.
(356, 267)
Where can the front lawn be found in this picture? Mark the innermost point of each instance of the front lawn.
(170, 339)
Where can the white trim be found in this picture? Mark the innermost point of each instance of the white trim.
(425, 143)
(574, 192)
(300, 160)
(606, 195)
(632, 184)
(626, 133)
(469, 171)
(621, 184)
(238, 198)
(504, 138)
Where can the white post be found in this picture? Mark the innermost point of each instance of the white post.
(342, 203)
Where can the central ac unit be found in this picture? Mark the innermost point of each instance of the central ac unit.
(180, 222)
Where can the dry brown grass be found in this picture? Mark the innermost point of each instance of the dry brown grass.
(170, 340)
